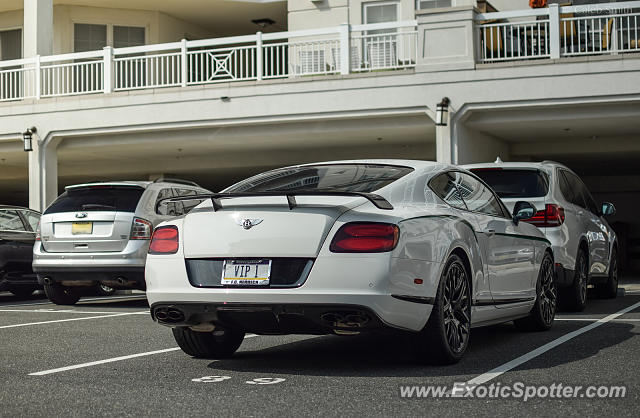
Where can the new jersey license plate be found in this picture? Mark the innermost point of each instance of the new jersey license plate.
(82, 228)
(246, 272)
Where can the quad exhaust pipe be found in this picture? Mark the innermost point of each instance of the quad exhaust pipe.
(346, 319)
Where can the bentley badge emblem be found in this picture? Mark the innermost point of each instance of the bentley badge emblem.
(81, 215)
(248, 223)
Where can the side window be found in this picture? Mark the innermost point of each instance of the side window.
(477, 196)
(167, 209)
(574, 189)
(33, 219)
(445, 188)
(188, 204)
(591, 203)
(11, 221)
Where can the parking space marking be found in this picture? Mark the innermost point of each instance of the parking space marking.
(597, 319)
(61, 311)
(73, 319)
(104, 299)
(492, 374)
(111, 360)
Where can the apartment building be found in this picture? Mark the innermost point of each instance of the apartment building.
(215, 90)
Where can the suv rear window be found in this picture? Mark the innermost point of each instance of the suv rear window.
(515, 183)
(97, 198)
(365, 178)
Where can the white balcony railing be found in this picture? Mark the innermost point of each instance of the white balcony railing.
(386, 46)
(555, 32)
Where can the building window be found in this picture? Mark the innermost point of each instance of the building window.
(433, 4)
(11, 44)
(124, 36)
(379, 47)
(89, 37)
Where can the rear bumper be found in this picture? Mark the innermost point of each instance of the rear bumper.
(270, 318)
(117, 277)
(361, 283)
(14, 280)
(132, 257)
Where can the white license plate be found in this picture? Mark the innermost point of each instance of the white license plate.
(82, 228)
(246, 272)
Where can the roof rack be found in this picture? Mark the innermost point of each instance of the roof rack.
(378, 201)
(176, 181)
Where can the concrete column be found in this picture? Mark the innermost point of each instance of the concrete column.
(38, 28)
(444, 144)
(43, 173)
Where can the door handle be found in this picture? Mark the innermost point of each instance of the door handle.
(489, 232)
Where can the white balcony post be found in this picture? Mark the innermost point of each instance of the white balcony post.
(614, 37)
(345, 40)
(108, 70)
(554, 30)
(37, 77)
(259, 56)
(183, 62)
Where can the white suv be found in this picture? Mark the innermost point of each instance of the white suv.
(585, 247)
(98, 233)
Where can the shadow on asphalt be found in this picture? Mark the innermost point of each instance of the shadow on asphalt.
(384, 356)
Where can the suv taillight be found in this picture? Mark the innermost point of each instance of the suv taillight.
(38, 232)
(365, 237)
(141, 229)
(551, 216)
(164, 241)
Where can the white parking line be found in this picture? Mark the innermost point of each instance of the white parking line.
(73, 311)
(111, 360)
(492, 374)
(596, 319)
(104, 299)
(73, 319)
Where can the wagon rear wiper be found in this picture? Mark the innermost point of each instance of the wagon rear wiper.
(378, 201)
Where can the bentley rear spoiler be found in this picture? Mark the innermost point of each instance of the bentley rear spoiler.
(379, 201)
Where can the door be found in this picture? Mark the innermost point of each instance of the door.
(509, 255)
(17, 242)
(588, 222)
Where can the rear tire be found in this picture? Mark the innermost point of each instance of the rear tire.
(574, 298)
(22, 291)
(209, 345)
(445, 338)
(61, 295)
(544, 311)
(609, 290)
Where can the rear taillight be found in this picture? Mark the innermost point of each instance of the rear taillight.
(552, 215)
(164, 241)
(38, 232)
(361, 237)
(141, 229)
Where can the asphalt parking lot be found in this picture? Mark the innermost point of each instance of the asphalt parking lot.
(105, 356)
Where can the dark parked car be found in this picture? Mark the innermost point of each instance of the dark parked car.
(17, 234)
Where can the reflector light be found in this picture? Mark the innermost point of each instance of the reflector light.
(141, 229)
(551, 216)
(365, 237)
(164, 240)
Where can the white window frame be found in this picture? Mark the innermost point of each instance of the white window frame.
(109, 26)
(10, 28)
(420, 1)
(369, 4)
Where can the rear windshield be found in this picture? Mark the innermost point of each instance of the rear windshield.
(97, 198)
(365, 178)
(515, 183)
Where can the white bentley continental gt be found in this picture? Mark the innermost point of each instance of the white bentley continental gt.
(349, 247)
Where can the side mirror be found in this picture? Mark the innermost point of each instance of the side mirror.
(608, 209)
(523, 210)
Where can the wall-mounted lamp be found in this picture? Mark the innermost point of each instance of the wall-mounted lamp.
(442, 111)
(27, 138)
